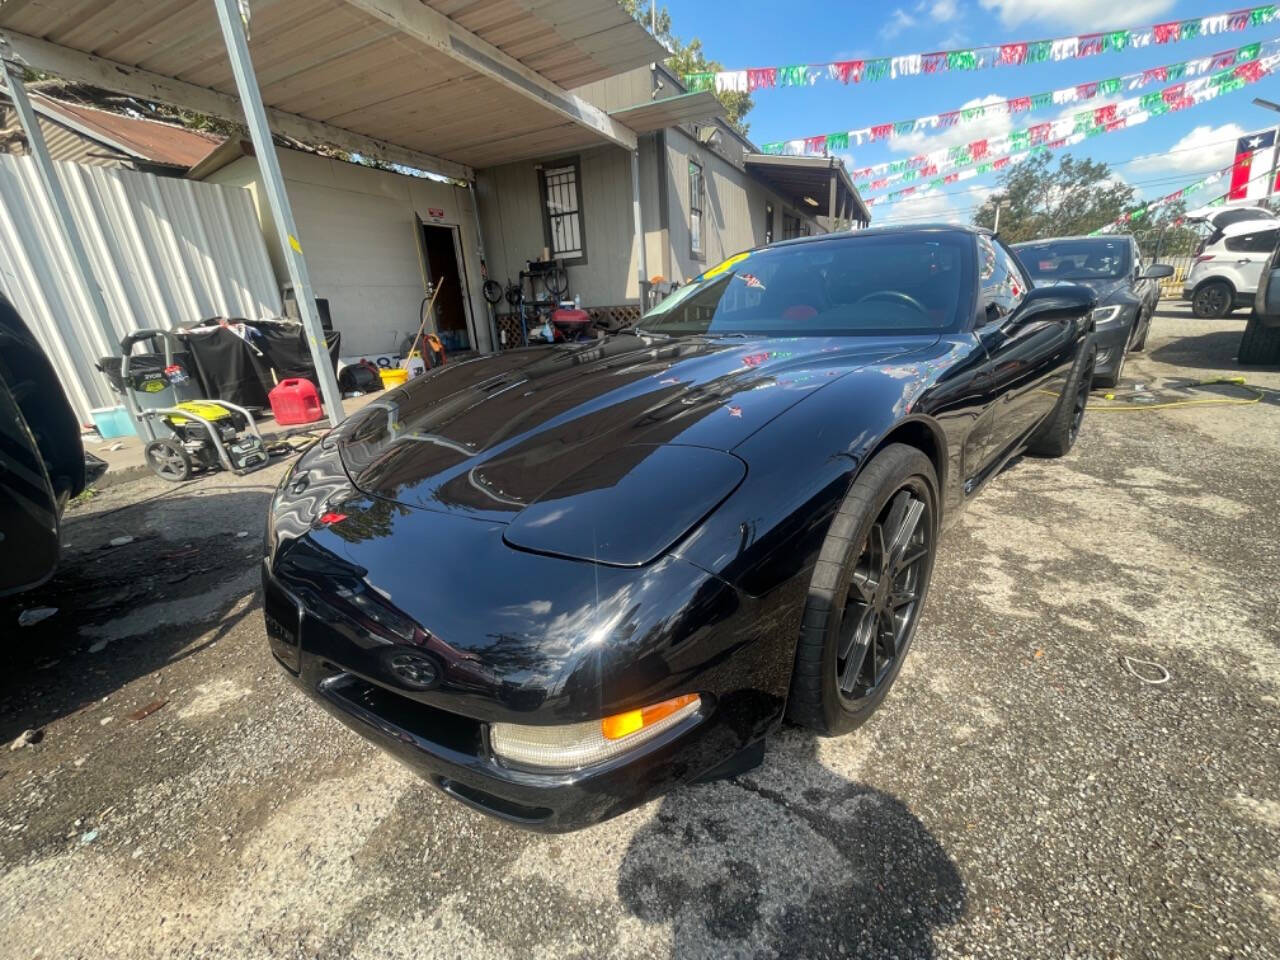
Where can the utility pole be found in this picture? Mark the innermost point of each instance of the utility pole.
(999, 206)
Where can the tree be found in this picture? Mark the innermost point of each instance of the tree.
(689, 58)
(1078, 197)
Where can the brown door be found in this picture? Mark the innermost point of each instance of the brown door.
(441, 256)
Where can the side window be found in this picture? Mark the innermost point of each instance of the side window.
(1264, 241)
(1003, 282)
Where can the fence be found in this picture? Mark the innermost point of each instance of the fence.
(1171, 287)
(165, 252)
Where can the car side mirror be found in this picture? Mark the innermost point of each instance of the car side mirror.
(1067, 301)
(1157, 271)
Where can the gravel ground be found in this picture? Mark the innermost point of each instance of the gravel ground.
(1021, 794)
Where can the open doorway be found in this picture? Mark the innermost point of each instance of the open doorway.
(442, 264)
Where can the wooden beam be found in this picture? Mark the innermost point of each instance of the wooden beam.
(132, 81)
(432, 28)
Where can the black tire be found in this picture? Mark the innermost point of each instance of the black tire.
(1212, 300)
(1260, 344)
(1058, 434)
(862, 571)
(169, 460)
(1145, 326)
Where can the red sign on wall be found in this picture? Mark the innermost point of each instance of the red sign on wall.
(435, 213)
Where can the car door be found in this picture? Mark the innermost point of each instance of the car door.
(1248, 253)
(1029, 363)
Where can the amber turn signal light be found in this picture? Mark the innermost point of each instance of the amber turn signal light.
(624, 724)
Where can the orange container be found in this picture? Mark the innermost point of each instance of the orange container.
(295, 401)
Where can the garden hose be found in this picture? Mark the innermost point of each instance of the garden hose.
(1255, 396)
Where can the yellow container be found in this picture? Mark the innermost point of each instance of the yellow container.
(393, 378)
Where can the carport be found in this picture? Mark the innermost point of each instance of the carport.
(442, 86)
(817, 184)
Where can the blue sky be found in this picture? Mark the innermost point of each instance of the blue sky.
(750, 33)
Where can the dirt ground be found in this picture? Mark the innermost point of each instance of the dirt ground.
(1023, 793)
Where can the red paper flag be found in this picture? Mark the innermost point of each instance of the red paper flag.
(1087, 91)
(1019, 104)
(758, 78)
(934, 62)
(978, 149)
(1090, 45)
(1173, 94)
(1168, 32)
(847, 70)
(1155, 74)
(1039, 132)
(1250, 72)
(1001, 163)
(1013, 53)
(815, 144)
(949, 118)
(1104, 115)
(881, 131)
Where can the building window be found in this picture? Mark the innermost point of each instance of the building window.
(768, 223)
(697, 195)
(562, 211)
(790, 226)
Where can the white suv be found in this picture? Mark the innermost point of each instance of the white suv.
(1229, 263)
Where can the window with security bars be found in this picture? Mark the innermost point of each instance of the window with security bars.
(562, 211)
(697, 192)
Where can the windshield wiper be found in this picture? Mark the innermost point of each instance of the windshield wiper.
(649, 333)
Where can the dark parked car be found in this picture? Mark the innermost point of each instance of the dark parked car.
(1111, 266)
(42, 462)
(561, 581)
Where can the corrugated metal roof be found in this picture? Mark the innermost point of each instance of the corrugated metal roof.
(353, 69)
(150, 140)
(682, 108)
(165, 252)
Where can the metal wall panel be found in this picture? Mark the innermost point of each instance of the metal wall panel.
(166, 253)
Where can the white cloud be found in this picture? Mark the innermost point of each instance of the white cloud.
(941, 11)
(1204, 148)
(950, 205)
(899, 21)
(1079, 15)
(987, 126)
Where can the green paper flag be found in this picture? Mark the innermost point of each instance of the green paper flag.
(793, 76)
(1116, 40)
(1248, 52)
(1041, 100)
(1107, 87)
(837, 141)
(1177, 71)
(962, 60)
(875, 70)
(1040, 51)
(697, 82)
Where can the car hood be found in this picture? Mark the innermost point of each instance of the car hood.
(1107, 290)
(489, 436)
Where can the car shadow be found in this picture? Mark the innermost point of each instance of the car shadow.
(791, 860)
(185, 580)
(1208, 351)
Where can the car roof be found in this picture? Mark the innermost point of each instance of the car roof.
(1241, 227)
(889, 231)
(1108, 236)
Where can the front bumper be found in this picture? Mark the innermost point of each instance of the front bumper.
(441, 730)
(1112, 342)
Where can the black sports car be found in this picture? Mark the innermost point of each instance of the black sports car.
(560, 582)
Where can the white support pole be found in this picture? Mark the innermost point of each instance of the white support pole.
(255, 113)
(642, 266)
(57, 197)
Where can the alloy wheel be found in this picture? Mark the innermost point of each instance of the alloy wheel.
(884, 595)
(1211, 301)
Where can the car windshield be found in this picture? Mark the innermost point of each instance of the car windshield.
(1075, 259)
(860, 286)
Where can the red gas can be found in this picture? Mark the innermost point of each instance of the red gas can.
(295, 401)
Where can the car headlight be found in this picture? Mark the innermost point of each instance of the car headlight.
(1107, 316)
(571, 746)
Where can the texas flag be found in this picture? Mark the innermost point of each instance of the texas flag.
(1255, 153)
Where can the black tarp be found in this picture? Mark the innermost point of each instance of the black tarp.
(243, 369)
